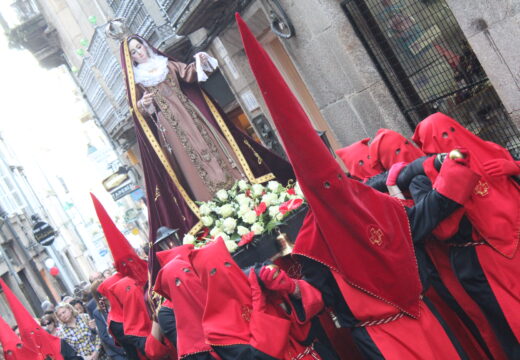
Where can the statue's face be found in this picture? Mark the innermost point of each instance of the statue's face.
(138, 51)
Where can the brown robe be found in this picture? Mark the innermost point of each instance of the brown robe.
(200, 155)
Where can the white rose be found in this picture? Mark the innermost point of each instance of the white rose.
(257, 228)
(274, 210)
(243, 185)
(207, 220)
(249, 217)
(231, 245)
(274, 186)
(242, 230)
(258, 189)
(242, 211)
(283, 197)
(279, 216)
(224, 236)
(222, 195)
(270, 199)
(216, 231)
(229, 225)
(245, 202)
(226, 210)
(205, 209)
(188, 239)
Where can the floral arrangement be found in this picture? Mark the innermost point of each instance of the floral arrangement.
(245, 210)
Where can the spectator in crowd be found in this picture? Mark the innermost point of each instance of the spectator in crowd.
(47, 307)
(79, 306)
(79, 332)
(50, 324)
(107, 273)
(100, 313)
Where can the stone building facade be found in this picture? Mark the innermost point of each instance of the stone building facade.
(356, 65)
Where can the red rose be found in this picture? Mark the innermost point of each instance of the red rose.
(247, 238)
(291, 191)
(260, 209)
(290, 205)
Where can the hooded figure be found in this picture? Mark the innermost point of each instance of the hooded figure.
(483, 241)
(389, 147)
(233, 324)
(180, 285)
(33, 337)
(392, 151)
(126, 260)
(356, 158)
(359, 238)
(12, 345)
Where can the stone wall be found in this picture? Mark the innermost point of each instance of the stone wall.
(493, 28)
(333, 64)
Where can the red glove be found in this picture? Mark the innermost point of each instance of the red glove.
(501, 167)
(464, 160)
(257, 297)
(393, 173)
(277, 280)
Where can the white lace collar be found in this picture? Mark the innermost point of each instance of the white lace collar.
(152, 72)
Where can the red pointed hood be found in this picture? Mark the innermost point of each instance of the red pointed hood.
(166, 256)
(390, 147)
(178, 282)
(33, 336)
(494, 208)
(356, 159)
(228, 300)
(367, 232)
(126, 260)
(12, 345)
(116, 310)
(131, 297)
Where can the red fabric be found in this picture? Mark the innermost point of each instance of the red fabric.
(156, 350)
(494, 209)
(116, 310)
(456, 181)
(130, 296)
(269, 331)
(394, 172)
(228, 301)
(33, 336)
(502, 275)
(389, 147)
(277, 280)
(502, 167)
(439, 254)
(166, 256)
(371, 225)
(125, 258)
(357, 160)
(12, 346)
(178, 282)
(405, 338)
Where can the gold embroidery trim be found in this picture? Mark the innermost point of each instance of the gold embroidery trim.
(482, 188)
(234, 146)
(151, 138)
(195, 157)
(376, 236)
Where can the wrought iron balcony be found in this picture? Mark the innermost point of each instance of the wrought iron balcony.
(40, 38)
(187, 16)
(101, 78)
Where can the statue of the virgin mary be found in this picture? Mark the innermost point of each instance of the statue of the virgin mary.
(189, 149)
